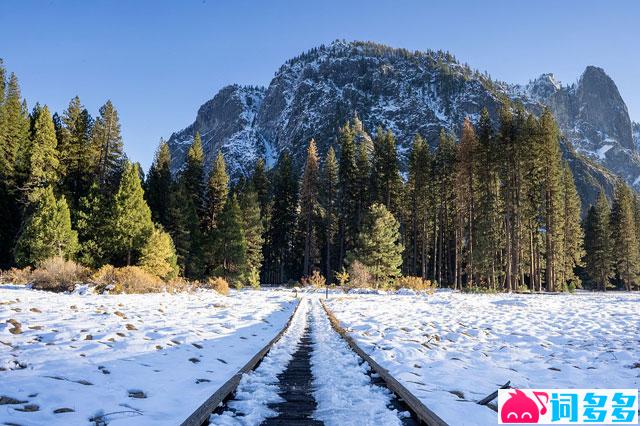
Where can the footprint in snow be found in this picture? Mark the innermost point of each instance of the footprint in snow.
(137, 393)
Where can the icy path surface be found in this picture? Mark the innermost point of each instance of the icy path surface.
(450, 349)
(259, 388)
(343, 390)
(149, 359)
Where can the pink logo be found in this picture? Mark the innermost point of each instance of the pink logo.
(519, 408)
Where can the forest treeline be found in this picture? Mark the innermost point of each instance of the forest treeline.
(496, 208)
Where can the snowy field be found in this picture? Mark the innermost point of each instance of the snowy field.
(132, 359)
(452, 349)
(153, 359)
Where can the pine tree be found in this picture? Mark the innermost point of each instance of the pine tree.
(158, 255)
(217, 192)
(364, 152)
(131, 223)
(231, 242)
(533, 205)
(107, 142)
(185, 230)
(281, 258)
(419, 192)
(253, 233)
(348, 192)
(553, 221)
(260, 183)
(598, 244)
(92, 224)
(310, 209)
(386, 183)
(193, 176)
(444, 165)
(329, 197)
(47, 231)
(78, 158)
(466, 183)
(573, 239)
(626, 256)
(43, 162)
(488, 225)
(14, 138)
(378, 246)
(159, 184)
(16, 131)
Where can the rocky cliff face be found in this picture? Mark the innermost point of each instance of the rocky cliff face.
(593, 118)
(225, 123)
(407, 92)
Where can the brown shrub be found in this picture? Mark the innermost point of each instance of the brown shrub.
(218, 284)
(58, 274)
(359, 275)
(130, 279)
(16, 276)
(314, 280)
(413, 283)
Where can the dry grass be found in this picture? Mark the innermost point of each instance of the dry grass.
(218, 284)
(316, 279)
(413, 283)
(16, 276)
(359, 275)
(58, 274)
(130, 279)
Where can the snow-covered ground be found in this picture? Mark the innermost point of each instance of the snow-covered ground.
(134, 359)
(452, 349)
(153, 359)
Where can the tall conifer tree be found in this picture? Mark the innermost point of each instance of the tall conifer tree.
(47, 231)
(626, 256)
(131, 223)
(106, 140)
(378, 246)
(310, 209)
(78, 157)
(329, 196)
(282, 260)
(159, 184)
(348, 192)
(598, 243)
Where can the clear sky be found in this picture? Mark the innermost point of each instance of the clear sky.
(158, 61)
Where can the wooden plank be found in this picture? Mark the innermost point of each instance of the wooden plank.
(423, 413)
(202, 413)
(487, 399)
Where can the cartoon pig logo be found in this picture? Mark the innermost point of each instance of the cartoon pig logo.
(519, 408)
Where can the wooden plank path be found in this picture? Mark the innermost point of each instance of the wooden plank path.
(295, 387)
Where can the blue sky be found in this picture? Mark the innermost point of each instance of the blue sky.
(158, 61)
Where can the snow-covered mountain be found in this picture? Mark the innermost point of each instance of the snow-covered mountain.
(313, 94)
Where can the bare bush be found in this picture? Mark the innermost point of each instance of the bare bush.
(413, 283)
(359, 275)
(316, 279)
(59, 274)
(218, 284)
(16, 276)
(130, 279)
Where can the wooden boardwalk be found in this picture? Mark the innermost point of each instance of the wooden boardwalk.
(295, 388)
